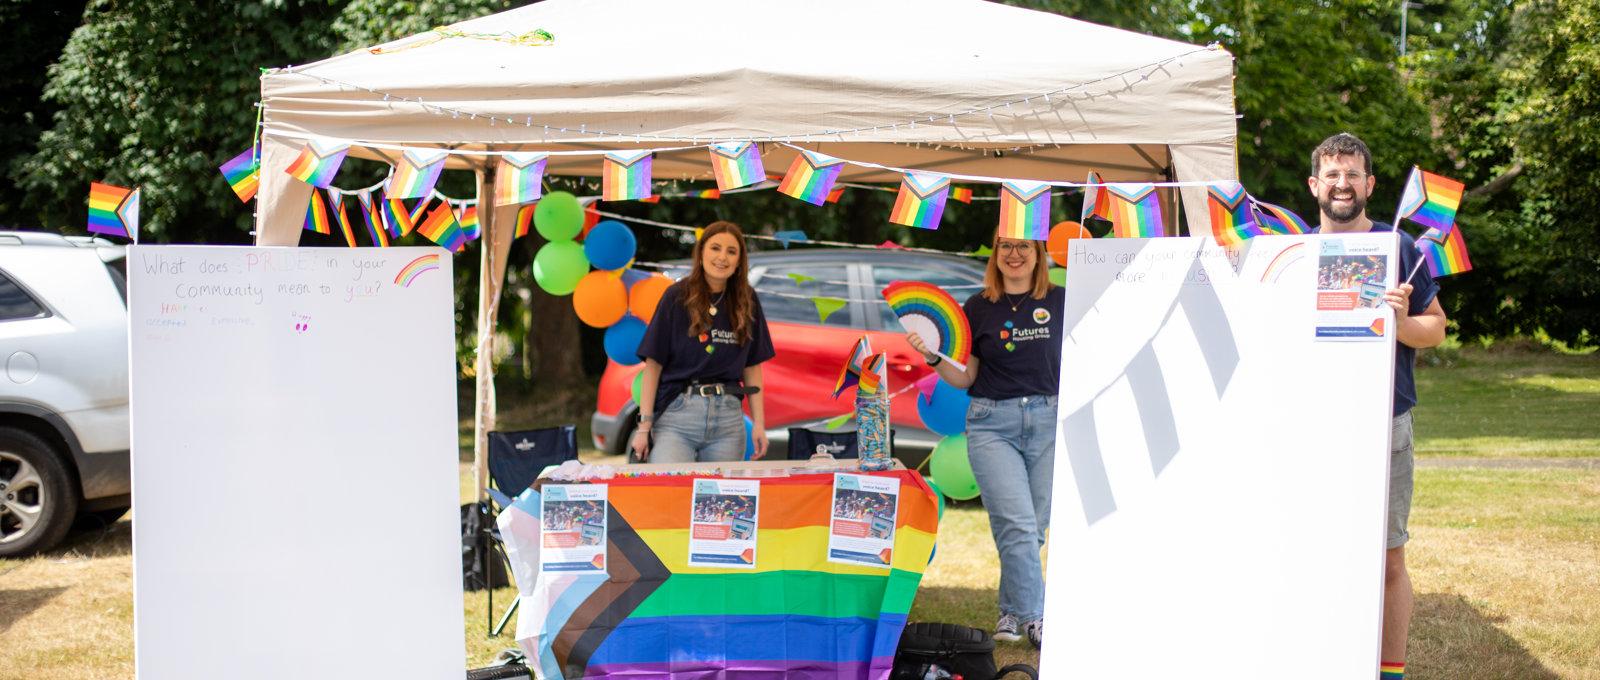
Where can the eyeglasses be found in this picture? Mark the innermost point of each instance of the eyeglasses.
(1331, 177)
(1015, 247)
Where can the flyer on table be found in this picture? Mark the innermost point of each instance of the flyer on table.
(1351, 278)
(861, 530)
(722, 523)
(572, 528)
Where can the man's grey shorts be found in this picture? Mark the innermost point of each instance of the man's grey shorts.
(1401, 467)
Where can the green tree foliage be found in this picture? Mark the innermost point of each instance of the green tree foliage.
(35, 32)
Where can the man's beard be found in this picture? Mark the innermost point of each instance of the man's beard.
(1356, 207)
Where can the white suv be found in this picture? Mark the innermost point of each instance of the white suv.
(63, 387)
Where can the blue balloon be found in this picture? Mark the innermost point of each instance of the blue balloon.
(946, 414)
(749, 440)
(631, 276)
(609, 245)
(623, 338)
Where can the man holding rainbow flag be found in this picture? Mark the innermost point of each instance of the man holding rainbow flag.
(1341, 179)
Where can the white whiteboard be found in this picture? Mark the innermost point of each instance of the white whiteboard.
(1221, 477)
(294, 463)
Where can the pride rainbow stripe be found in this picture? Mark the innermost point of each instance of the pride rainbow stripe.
(524, 221)
(872, 374)
(962, 194)
(411, 271)
(922, 304)
(336, 204)
(1281, 263)
(811, 177)
(467, 215)
(397, 217)
(850, 373)
(1095, 203)
(441, 227)
(416, 173)
(113, 210)
(1025, 210)
(1445, 252)
(1229, 206)
(373, 219)
(318, 162)
(1431, 200)
(1135, 210)
(243, 173)
(703, 193)
(737, 164)
(520, 178)
(625, 176)
(1276, 219)
(317, 214)
(921, 201)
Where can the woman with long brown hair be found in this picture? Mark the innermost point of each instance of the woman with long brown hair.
(702, 352)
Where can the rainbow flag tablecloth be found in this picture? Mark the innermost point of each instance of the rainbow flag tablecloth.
(796, 615)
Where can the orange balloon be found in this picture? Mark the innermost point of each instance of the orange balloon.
(1060, 236)
(645, 295)
(600, 299)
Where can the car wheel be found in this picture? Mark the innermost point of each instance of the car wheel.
(37, 503)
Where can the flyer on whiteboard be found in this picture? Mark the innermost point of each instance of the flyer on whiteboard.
(861, 529)
(722, 523)
(572, 528)
(1351, 278)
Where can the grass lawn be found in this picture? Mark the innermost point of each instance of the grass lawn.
(1509, 404)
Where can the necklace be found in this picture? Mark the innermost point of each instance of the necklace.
(718, 301)
(1014, 303)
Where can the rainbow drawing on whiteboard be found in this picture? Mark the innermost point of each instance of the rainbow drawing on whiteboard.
(1289, 256)
(416, 268)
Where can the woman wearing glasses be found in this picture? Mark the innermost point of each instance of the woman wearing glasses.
(1012, 377)
(702, 352)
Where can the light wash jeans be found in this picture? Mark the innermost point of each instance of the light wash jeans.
(1012, 446)
(699, 429)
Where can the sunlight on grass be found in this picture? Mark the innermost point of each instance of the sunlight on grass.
(1509, 404)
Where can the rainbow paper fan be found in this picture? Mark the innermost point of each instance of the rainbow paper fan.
(928, 311)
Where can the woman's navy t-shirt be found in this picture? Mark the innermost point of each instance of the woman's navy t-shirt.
(712, 357)
(1019, 352)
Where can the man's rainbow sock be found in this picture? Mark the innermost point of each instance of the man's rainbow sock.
(1392, 671)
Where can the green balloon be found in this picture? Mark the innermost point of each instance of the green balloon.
(558, 216)
(559, 266)
(950, 466)
(1058, 276)
(638, 386)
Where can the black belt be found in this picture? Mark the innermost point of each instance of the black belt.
(719, 389)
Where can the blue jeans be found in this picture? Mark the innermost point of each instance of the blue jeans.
(1012, 446)
(699, 429)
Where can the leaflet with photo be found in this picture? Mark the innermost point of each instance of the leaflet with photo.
(861, 529)
(722, 523)
(572, 528)
(1352, 276)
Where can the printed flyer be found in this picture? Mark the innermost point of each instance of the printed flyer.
(861, 530)
(722, 523)
(1351, 279)
(572, 528)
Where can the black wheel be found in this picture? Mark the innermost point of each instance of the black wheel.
(99, 519)
(37, 502)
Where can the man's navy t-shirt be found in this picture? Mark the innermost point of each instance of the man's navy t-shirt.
(1019, 352)
(712, 357)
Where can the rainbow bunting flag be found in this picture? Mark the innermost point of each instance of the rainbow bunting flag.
(921, 201)
(318, 162)
(520, 178)
(1025, 210)
(931, 312)
(336, 204)
(736, 164)
(114, 210)
(243, 173)
(833, 196)
(626, 176)
(1444, 251)
(873, 376)
(1135, 210)
(1095, 201)
(811, 177)
(400, 220)
(850, 373)
(703, 193)
(373, 219)
(416, 173)
(524, 221)
(1275, 219)
(653, 198)
(317, 214)
(441, 227)
(1431, 200)
(962, 194)
(467, 215)
(1231, 219)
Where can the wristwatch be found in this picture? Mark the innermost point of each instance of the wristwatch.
(935, 361)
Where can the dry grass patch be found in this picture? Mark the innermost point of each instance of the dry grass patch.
(69, 614)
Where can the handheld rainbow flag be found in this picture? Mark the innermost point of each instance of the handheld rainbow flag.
(373, 219)
(962, 194)
(736, 164)
(114, 210)
(1444, 251)
(243, 173)
(921, 201)
(850, 373)
(520, 178)
(467, 215)
(1430, 200)
(441, 227)
(1025, 210)
(336, 204)
(1135, 210)
(626, 176)
(1275, 219)
(1231, 220)
(524, 220)
(811, 177)
(317, 214)
(416, 173)
(931, 312)
(874, 379)
(1095, 202)
(318, 162)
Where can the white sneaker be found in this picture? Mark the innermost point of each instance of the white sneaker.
(1007, 629)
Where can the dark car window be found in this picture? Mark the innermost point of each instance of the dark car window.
(786, 291)
(958, 286)
(15, 303)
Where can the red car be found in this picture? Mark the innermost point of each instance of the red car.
(799, 380)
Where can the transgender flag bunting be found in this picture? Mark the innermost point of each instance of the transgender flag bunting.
(626, 176)
(416, 173)
(317, 214)
(373, 220)
(1025, 210)
(520, 178)
(921, 201)
(1229, 206)
(318, 162)
(737, 164)
(336, 204)
(1431, 200)
(811, 177)
(1135, 210)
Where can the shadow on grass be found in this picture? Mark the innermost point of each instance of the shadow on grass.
(973, 607)
(1450, 638)
(95, 539)
(16, 604)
